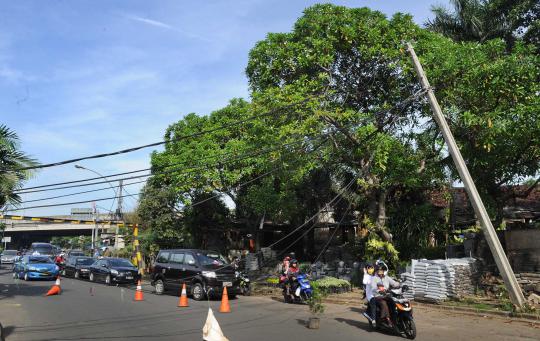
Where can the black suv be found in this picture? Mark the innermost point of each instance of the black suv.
(204, 272)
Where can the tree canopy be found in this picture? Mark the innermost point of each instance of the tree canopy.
(337, 99)
(12, 159)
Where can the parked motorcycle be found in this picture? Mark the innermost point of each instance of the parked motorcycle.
(400, 314)
(245, 283)
(302, 293)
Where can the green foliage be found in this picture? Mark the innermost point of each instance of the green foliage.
(335, 87)
(78, 242)
(379, 249)
(272, 280)
(482, 20)
(158, 213)
(328, 283)
(316, 307)
(12, 159)
(489, 97)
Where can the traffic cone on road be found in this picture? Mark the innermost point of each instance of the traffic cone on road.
(183, 302)
(55, 289)
(138, 292)
(225, 307)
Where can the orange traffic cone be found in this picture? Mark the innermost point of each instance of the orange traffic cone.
(183, 302)
(225, 307)
(138, 292)
(55, 289)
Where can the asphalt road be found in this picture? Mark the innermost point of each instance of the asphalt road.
(88, 311)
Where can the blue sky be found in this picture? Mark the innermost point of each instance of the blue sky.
(86, 77)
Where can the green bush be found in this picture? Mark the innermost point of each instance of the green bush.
(330, 284)
(272, 280)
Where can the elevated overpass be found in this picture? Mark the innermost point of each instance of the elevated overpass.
(25, 230)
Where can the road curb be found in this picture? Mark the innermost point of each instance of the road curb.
(483, 312)
(530, 318)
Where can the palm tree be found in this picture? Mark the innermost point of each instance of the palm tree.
(12, 160)
(470, 20)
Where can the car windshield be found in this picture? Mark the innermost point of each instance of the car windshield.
(39, 260)
(120, 262)
(43, 249)
(9, 253)
(85, 261)
(211, 258)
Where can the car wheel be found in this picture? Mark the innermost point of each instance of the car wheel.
(159, 287)
(26, 278)
(77, 274)
(197, 292)
(108, 280)
(91, 277)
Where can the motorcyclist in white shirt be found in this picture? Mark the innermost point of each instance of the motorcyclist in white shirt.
(379, 285)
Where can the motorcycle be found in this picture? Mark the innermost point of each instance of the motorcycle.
(302, 293)
(400, 314)
(245, 283)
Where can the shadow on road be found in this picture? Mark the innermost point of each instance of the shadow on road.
(356, 310)
(20, 288)
(354, 323)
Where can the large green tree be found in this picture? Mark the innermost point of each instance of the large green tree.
(490, 99)
(353, 55)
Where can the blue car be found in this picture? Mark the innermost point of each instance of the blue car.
(35, 267)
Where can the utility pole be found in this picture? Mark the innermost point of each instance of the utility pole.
(120, 201)
(119, 215)
(489, 232)
(95, 227)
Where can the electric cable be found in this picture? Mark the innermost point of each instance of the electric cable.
(73, 203)
(179, 138)
(174, 170)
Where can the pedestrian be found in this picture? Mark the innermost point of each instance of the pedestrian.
(107, 252)
(96, 253)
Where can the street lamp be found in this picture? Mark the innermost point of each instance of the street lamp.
(118, 213)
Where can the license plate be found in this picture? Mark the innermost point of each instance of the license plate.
(129, 277)
(227, 284)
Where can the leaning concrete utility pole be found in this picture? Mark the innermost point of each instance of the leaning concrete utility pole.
(489, 232)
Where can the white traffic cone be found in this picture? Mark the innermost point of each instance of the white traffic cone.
(211, 329)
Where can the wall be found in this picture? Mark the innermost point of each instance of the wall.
(523, 249)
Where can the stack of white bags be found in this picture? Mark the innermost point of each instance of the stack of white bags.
(437, 280)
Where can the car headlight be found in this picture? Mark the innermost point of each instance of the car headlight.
(209, 274)
(114, 272)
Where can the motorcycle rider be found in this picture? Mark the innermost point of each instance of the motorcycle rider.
(285, 265)
(371, 312)
(379, 285)
(293, 271)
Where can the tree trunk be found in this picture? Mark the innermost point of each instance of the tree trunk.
(381, 215)
(381, 209)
